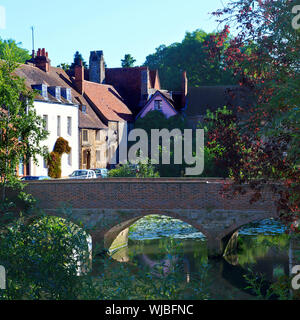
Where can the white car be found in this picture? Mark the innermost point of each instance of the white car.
(83, 174)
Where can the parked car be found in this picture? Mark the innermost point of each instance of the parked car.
(30, 178)
(101, 173)
(83, 174)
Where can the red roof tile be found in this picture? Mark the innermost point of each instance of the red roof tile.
(108, 101)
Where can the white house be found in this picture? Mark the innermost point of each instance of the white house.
(58, 104)
(62, 121)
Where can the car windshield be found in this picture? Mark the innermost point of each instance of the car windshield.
(79, 173)
(100, 171)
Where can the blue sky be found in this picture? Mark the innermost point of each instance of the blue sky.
(117, 27)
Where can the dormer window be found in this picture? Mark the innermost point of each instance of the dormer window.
(42, 88)
(55, 92)
(66, 93)
(83, 108)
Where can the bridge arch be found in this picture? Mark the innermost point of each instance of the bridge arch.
(104, 203)
(118, 230)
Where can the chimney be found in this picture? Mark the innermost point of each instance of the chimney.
(145, 84)
(79, 77)
(41, 60)
(184, 88)
(97, 67)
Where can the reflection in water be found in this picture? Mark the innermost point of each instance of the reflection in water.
(165, 246)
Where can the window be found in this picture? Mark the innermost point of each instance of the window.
(45, 163)
(44, 91)
(70, 158)
(98, 155)
(83, 108)
(66, 93)
(98, 135)
(69, 126)
(58, 126)
(85, 136)
(55, 92)
(21, 168)
(45, 117)
(157, 104)
(42, 88)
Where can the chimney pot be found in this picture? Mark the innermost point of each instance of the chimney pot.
(41, 60)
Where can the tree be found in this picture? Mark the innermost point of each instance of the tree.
(265, 57)
(21, 129)
(76, 61)
(128, 61)
(20, 54)
(64, 66)
(191, 55)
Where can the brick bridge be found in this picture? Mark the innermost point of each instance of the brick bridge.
(108, 207)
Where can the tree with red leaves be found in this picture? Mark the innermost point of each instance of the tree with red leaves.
(260, 144)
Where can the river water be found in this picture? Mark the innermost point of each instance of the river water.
(164, 247)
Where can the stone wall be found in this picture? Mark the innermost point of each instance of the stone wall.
(109, 206)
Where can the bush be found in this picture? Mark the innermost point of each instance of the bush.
(54, 159)
(42, 259)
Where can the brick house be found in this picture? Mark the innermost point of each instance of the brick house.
(107, 105)
(81, 111)
(135, 85)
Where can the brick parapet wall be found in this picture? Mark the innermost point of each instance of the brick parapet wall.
(154, 194)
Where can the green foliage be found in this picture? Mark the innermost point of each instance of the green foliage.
(62, 146)
(139, 171)
(20, 54)
(122, 171)
(76, 61)
(192, 56)
(54, 158)
(156, 120)
(147, 170)
(42, 259)
(21, 129)
(128, 61)
(64, 66)
(278, 290)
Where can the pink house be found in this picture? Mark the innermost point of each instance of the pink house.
(159, 101)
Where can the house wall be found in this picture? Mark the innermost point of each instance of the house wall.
(52, 110)
(93, 145)
(165, 108)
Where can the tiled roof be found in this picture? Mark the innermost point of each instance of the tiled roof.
(213, 97)
(108, 101)
(58, 77)
(127, 82)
